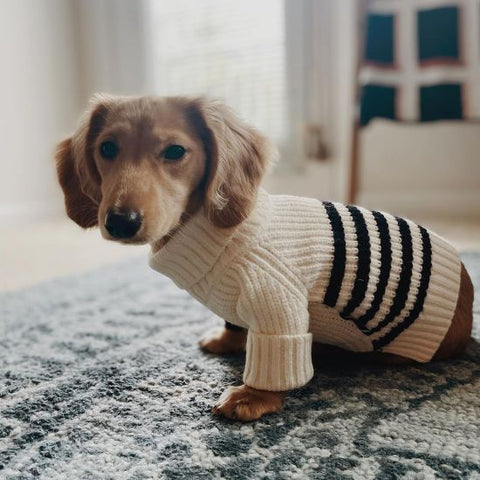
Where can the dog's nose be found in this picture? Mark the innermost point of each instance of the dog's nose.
(122, 223)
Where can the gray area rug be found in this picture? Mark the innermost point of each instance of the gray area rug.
(101, 378)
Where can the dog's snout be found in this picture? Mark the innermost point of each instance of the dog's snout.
(122, 223)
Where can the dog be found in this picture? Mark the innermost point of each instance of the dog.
(184, 175)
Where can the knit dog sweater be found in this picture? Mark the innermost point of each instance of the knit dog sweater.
(299, 270)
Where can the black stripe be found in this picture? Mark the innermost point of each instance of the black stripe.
(363, 265)
(385, 266)
(401, 294)
(422, 293)
(339, 255)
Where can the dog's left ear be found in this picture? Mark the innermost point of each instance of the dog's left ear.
(238, 157)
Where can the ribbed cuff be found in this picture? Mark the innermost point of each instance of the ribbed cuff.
(278, 362)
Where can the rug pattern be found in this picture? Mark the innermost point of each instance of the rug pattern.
(101, 378)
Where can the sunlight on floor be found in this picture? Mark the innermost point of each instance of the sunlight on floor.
(33, 253)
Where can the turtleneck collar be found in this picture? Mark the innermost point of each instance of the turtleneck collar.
(196, 246)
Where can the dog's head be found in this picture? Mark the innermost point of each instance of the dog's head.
(137, 166)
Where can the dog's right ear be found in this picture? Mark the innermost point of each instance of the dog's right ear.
(76, 169)
(80, 207)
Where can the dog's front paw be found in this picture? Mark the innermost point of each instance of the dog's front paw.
(224, 341)
(245, 403)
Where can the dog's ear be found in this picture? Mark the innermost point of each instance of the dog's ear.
(76, 169)
(80, 207)
(238, 156)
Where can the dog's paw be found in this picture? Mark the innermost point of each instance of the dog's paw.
(223, 341)
(246, 403)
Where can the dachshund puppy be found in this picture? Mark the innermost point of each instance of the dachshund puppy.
(184, 176)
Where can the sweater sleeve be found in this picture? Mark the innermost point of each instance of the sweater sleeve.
(274, 304)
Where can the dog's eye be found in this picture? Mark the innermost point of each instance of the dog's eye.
(108, 150)
(174, 152)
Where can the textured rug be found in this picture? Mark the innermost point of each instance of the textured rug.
(101, 378)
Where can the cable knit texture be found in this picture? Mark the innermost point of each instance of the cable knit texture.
(299, 270)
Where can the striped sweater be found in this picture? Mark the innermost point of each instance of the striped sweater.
(299, 270)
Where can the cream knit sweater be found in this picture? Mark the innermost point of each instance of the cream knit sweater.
(299, 270)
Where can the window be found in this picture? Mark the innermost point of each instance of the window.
(438, 35)
(379, 48)
(441, 102)
(231, 49)
(377, 101)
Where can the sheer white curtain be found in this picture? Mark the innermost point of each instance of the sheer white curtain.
(321, 42)
(231, 49)
(113, 46)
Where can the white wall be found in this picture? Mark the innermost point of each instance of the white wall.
(421, 169)
(39, 103)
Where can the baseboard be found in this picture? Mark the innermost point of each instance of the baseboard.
(439, 204)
